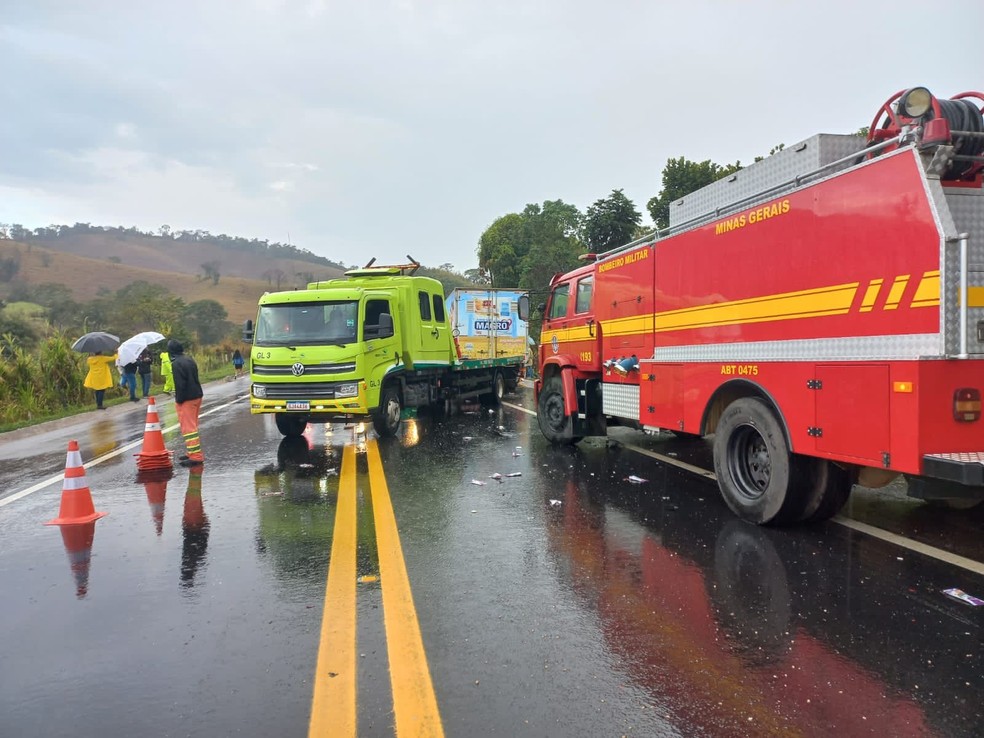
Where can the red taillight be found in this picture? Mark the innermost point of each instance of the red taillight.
(966, 405)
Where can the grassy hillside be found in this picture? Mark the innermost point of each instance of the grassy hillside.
(166, 255)
(88, 278)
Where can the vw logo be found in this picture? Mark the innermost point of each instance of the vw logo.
(297, 369)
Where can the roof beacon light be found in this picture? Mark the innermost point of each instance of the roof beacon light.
(916, 102)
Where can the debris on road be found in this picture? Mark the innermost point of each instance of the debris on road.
(466, 438)
(518, 451)
(478, 482)
(515, 474)
(635, 480)
(554, 503)
(497, 477)
(959, 594)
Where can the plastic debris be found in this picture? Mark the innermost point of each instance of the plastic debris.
(635, 480)
(518, 451)
(515, 474)
(554, 503)
(368, 578)
(959, 594)
(497, 477)
(478, 482)
(466, 438)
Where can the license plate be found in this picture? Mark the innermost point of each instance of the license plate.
(299, 405)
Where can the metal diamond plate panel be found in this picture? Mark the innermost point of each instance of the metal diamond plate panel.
(966, 207)
(621, 400)
(778, 169)
(968, 457)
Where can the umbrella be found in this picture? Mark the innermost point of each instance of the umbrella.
(97, 341)
(131, 348)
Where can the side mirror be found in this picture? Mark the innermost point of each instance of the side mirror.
(248, 331)
(385, 325)
(523, 308)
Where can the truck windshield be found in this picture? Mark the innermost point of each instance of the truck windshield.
(307, 324)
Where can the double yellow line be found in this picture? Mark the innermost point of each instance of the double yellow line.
(334, 706)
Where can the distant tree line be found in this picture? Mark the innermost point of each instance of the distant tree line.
(51, 234)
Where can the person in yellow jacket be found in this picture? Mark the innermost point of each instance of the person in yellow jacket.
(99, 378)
(167, 373)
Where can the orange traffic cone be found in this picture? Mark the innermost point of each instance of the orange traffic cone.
(76, 501)
(78, 546)
(153, 455)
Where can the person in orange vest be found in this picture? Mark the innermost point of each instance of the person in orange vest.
(99, 378)
(188, 402)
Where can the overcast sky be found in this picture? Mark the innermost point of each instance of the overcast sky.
(394, 127)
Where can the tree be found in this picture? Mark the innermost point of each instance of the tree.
(681, 177)
(501, 248)
(138, 307)
(208, 319)
(165, 231)
(211, 269)
(610, 222)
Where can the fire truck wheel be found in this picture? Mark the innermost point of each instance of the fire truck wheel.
(386, 418)
(290, 425)
(826, 487)
(758, 477)
(556, 426)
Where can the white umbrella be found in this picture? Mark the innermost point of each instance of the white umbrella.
(131, 348)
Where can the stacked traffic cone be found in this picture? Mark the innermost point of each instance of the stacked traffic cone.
(78, 546)
(153, 455)
(76, 501)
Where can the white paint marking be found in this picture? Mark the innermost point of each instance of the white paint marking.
(99, 460)
(883, 535)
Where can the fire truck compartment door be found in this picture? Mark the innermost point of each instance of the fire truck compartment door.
(853, 410)
(661, 395)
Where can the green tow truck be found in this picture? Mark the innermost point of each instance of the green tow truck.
(378, 344)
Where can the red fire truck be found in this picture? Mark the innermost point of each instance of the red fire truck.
(821, 313)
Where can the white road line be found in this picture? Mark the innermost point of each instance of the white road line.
(100, 459)
(931, 551)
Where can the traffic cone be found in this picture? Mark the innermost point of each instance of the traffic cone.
(78, 546)
(153, 454)
(76, 500)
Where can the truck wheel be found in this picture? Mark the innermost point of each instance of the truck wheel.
(556, 426)
(386, 418)
(758, 476)
(827, 487)
(291, 425)
(498, 388)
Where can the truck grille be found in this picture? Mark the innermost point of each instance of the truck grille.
(300, 390)
(286, 371)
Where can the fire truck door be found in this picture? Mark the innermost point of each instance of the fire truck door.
(852, 410)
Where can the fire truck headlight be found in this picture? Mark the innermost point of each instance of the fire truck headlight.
(259, 390)
(347, 390)
(915, 103)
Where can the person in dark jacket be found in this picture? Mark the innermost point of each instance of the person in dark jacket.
(145, 363)
(188, 401)
(129, 372)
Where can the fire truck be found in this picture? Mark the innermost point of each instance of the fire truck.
(820, 313)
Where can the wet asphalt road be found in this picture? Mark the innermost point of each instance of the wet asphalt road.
(567, 601)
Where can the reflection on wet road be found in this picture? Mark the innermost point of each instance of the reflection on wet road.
(470, 577)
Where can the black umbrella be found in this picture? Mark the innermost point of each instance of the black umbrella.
(97, 341)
